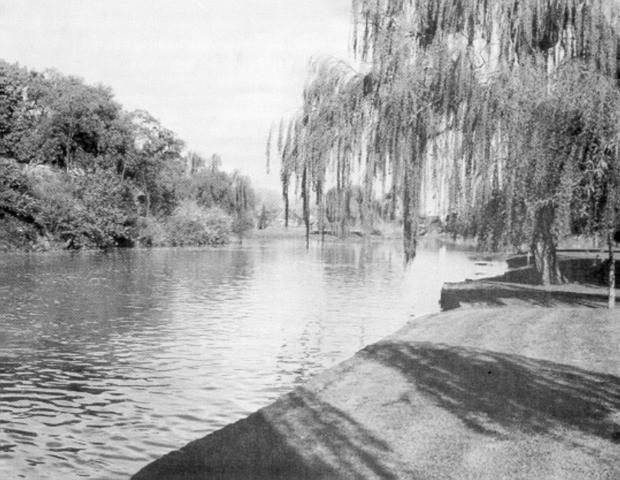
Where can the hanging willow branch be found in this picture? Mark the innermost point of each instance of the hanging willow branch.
(462, 77)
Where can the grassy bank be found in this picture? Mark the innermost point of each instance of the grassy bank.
(475, 393)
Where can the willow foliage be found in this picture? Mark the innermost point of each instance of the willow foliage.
(498, 84)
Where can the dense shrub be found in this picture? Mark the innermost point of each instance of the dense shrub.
(192, 225)
(242, 222)
(84, 210)
(151, 232)
(106, 208)
(16, 194)
(18, 235)
(90, 209)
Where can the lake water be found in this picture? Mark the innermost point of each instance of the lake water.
(109, 360)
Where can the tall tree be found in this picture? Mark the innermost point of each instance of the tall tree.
(467, 77)
(13, 93)
(157, 155)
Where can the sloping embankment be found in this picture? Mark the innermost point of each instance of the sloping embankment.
(585, 272)
(496, 293)
(475, 393)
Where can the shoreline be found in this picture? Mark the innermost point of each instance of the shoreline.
(493, 390)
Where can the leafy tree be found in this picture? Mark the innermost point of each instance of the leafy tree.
(487, 84)
(157, 158)
(67, 121)
(211, 187)
(82, 170)
(560, 164)
(13, 90)
(242, 204)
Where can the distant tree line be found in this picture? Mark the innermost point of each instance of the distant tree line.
(78, 170)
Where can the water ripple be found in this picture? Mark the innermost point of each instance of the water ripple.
(108, 360)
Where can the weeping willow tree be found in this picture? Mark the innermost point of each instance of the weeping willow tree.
(492, 90)
(559, 172)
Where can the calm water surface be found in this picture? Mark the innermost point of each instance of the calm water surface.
(109, 360)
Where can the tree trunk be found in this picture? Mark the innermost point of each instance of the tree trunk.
(321, 206)
(305, 206)
(410, 217)
(67, 155)
(342, 212)
(123, 172)
(412, 183)
(148, 203)
(546, 263)
(393, 201)
(285, 196)
(147, 196)
(543, 248)
(611, 300)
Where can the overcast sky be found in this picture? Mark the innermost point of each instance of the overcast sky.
(217, 72)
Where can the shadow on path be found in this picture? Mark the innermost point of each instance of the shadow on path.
(495, 393)
(298, 437)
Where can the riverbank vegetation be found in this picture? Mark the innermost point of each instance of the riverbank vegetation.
(76, 170)
(509, 109)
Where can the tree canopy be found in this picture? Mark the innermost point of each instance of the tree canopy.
(87, 173)
(487, 95)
